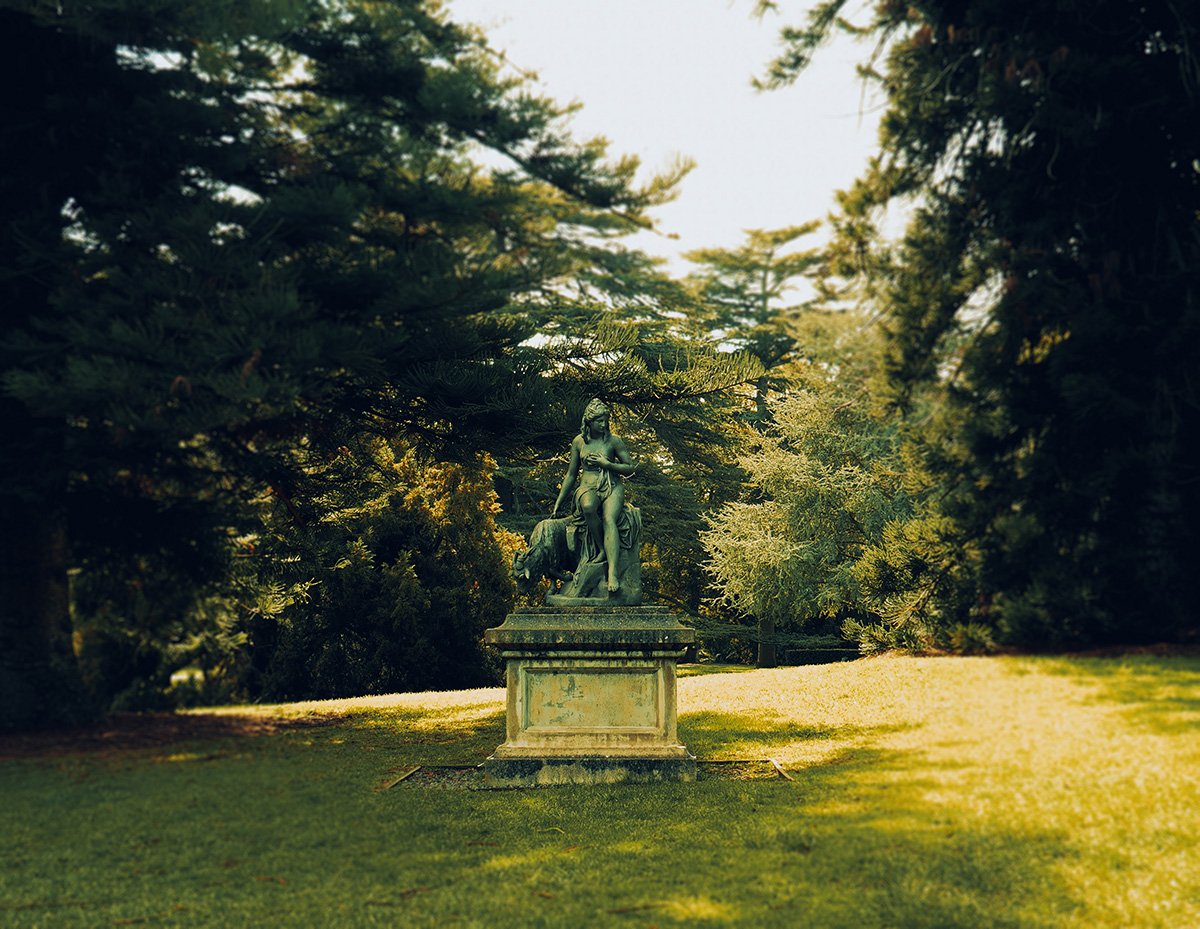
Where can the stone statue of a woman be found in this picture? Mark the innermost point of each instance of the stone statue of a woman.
(592, 547)
(596, 474)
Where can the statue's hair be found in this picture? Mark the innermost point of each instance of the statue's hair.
(595, 408)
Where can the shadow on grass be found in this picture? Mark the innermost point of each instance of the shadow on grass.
(451, 736)
(456, 735)
(852, 843)
(1162, 693)
(713, 733)
(293, 827)
(130, 732)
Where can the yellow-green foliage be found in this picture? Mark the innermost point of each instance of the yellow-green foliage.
(826, 479)
(1017, 793)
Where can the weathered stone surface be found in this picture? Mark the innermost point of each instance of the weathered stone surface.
(545, 772)
(612, 629)
(591, 696)
(587, 586)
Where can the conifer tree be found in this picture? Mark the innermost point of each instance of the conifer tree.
(237, 235)
(743, 302)
(1047, 291)
(742, 292)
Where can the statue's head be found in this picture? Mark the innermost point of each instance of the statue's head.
(596, 407)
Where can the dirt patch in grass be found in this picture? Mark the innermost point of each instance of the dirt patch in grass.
(123, 732)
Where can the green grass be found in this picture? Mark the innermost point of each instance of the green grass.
(950, 792)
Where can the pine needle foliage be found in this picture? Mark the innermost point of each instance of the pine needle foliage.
(748, 299)
(234, 231)
(1045, 297)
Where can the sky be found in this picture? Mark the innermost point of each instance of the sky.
(668, 78)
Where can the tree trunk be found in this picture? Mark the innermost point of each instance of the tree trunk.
(760, 399)
(39, 679)
(40, 684)
(766, 643)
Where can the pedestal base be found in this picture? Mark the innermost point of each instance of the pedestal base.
(544, 772)
(591, 697)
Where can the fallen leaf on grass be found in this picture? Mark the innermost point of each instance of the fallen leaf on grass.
(267, 879)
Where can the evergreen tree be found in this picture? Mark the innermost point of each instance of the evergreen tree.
(237, 237)
(826, 481)
(1046, 296)
(402, 539)
(741, 292)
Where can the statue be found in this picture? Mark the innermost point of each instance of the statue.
(593, 550)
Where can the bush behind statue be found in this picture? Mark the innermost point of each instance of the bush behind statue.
(404, 586)
(386, 585)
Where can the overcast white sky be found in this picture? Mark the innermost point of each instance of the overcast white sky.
(663, 78)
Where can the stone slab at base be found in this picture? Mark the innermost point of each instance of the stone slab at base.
(591, 696)
(545, 772)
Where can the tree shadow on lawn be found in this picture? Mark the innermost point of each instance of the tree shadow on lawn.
(865, 838)
(121, 733)
(709, 733)
(855, 842)
(451, 736)
(454, 735)
(1160, 692)
(701, 669)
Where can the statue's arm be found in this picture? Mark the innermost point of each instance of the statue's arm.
(568, 483)
(620, 463)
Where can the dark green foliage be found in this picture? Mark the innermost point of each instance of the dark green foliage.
(1045, 300)
(138, 595)
(234, 232)
(402, 586)
(389, 588)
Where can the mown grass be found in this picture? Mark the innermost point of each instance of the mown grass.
(965, 792)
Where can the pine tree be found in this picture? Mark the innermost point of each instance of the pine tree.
(1048, 286)
(237, 236)
(742, 292)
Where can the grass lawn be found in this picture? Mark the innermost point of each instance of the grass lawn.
(943, 792)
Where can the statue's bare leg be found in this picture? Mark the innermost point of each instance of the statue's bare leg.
(612, 540)
(589, 505)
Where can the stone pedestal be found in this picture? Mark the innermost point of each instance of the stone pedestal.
(591, 696)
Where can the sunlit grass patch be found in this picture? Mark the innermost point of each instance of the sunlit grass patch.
(983, 792)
